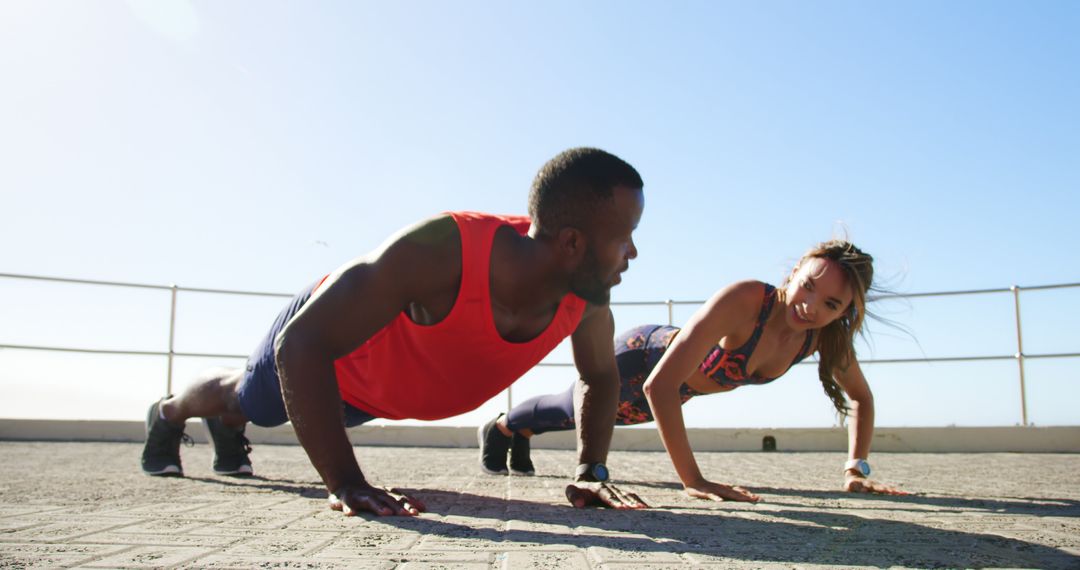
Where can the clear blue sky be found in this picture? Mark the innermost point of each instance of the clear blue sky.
(258, 145)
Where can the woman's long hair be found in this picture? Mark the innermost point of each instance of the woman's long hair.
(836, 341)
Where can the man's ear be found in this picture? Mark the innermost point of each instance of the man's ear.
(571, 245)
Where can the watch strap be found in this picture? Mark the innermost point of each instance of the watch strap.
(592, 472)
(857, 464)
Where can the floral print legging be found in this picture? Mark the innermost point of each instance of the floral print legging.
(636, 352)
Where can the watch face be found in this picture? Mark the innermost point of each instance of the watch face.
(600, 472)
(864, 468)
(596, 472)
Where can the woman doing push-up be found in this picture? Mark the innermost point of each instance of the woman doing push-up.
(748, 333)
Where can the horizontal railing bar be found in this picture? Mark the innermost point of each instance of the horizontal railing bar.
(886, 295)
(122, 352)
(645, 303)
(1052, 286)
(937, 294)
(560, 364)
(613, 303)
(86, 281)
(234, 292)
(974, 291)
(208, 355)
(653, 303)
(915, 360)
(145, 285)
(961, 358)
(84, 350)
(1054, 355)
(935, 359)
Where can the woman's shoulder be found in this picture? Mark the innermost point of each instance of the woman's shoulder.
(741, 300)
(748, 292)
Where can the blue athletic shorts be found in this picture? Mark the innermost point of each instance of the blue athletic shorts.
(260, 389)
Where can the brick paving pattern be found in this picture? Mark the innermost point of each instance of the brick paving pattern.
(86, 505)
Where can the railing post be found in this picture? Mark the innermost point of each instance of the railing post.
(1020, 355)
(172, 338)
(670, 312)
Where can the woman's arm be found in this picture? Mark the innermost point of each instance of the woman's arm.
(861, 419)
(719, 317)
(860, 430)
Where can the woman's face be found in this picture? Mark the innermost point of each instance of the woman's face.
(818, 294)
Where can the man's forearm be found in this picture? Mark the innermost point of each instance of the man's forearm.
(313, 403)
(595, 405)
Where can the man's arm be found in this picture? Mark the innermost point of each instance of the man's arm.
(596, 398)
(351, 306)
(596, 395)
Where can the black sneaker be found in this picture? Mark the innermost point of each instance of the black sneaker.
(520, 462)
(231, 448)
(161, 453)
(493, 448)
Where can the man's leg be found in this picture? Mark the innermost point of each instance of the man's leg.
(214, 396)
(227, 398)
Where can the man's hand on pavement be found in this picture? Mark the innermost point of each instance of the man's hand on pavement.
(583, 494)
(353, 499)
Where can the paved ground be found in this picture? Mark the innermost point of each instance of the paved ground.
(86, 505)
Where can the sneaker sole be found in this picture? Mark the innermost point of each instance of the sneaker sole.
(242, 471)
(480, 442)
(170, 471)
(522, 473)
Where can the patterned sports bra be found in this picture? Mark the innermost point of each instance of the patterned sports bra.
(728, 367)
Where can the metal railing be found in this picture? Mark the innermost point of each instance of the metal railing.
(1019, 356)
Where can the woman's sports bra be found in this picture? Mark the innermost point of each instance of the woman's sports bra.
(728, 367)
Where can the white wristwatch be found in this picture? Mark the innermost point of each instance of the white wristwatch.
(859, 465)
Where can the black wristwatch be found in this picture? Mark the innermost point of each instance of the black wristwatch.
(592, 472)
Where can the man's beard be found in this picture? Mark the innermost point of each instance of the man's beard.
(588, 285)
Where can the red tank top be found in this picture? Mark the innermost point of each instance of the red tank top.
(432, 372)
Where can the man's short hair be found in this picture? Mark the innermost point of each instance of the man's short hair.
(573, 185)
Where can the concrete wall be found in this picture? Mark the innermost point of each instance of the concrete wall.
(950, 439)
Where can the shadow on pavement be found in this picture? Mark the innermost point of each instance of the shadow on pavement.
(1041, 506)
(306, 489)
(800, 536)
